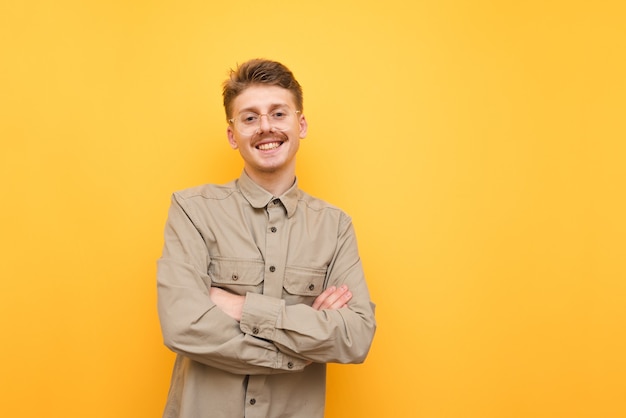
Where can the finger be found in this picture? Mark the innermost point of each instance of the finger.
(319, 300)
(336, 299)
(342, 301)
(330, 298)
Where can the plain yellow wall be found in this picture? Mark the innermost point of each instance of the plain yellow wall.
(478, 145)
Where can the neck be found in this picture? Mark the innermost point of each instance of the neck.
(273, 182)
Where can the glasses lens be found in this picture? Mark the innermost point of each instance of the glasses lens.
(249, 122)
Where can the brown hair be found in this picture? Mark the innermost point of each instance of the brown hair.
(259, 71)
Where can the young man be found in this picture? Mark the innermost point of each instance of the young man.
(259, 284)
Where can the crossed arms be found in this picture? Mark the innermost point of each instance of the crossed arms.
(232, 305)
(255, 333)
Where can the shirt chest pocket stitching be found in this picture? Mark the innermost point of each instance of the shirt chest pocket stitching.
(236, 272)
(304, 282)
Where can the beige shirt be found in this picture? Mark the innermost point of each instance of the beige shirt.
(281, 252)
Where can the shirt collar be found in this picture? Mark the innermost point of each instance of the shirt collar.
(258, 197)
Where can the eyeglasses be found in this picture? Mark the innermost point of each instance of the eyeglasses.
(248, 123)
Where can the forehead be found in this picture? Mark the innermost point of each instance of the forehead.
(260, 97)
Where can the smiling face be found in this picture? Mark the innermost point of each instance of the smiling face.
(267, 151)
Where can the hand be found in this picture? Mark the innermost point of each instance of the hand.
(333, 298)
(231, 304)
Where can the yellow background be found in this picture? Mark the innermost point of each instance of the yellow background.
(478, 145)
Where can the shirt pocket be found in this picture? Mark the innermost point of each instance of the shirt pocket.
(303, 285)
(236, 275)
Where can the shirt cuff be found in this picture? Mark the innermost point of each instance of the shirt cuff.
(260, 315)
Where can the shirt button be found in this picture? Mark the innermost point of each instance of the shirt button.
(272, 269)
(273, 229)
(255, 330)
(276, 201)
(311, 286)
(252, 401)
(290, 365)
(235, 277)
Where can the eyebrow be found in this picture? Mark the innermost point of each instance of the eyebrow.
(273, 106)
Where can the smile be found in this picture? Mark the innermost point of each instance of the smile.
(269, 146)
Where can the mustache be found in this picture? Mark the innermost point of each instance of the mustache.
(277, 135)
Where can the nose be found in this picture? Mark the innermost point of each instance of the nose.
(264, 124)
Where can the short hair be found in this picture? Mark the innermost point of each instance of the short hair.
(259, 71)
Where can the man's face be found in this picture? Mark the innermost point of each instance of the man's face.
(266, 149)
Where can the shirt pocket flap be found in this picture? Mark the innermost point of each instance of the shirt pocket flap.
(304, 282)
(231, 272)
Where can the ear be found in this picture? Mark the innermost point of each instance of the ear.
(231, 137)
(303, 126)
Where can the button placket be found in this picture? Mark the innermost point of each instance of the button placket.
(275, 249)
(256, 394)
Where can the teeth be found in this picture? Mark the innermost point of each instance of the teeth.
(268, 146)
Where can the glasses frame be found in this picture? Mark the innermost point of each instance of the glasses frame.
(258, 125)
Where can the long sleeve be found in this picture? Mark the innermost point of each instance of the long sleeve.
(341, 336)
(194, 326)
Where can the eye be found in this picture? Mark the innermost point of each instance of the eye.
(248, 118)
(279, 114)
